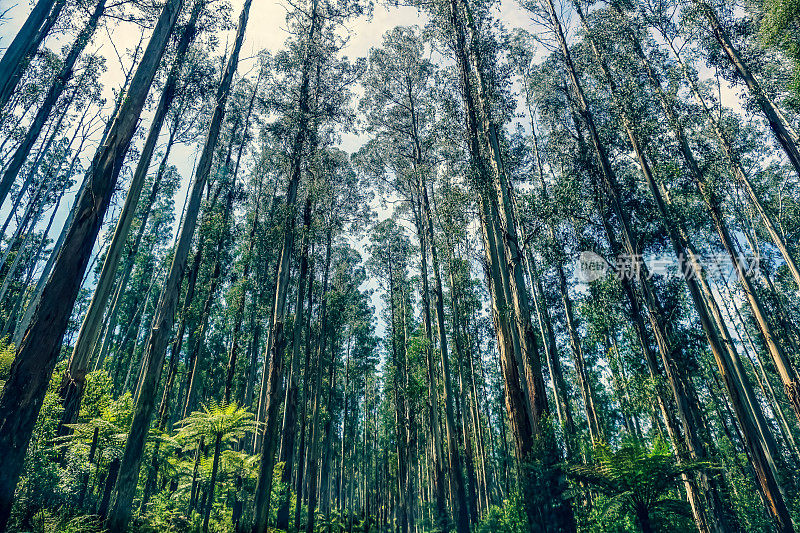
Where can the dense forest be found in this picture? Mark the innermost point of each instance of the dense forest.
(529, 267)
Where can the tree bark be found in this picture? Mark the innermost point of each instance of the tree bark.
(777, 123)
(212, 482)
(275, 349)
(164, 318)
(30, 373)
(50, 99)
(74, 381)
(757, 437)
(288, 430)
(27, 41)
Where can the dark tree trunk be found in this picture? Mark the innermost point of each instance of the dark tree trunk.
(212, 482)
(164, 318)
(36, 357)
(27, 41)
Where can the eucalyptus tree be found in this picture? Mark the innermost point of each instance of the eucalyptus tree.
(390, 251)
(453, 212)
(217, 229)
(72, 389)
(30, 36)
(24, 391)
(193, 93)
(317, 43)
(683, 392)
(125, 487)
(399, 109)
(755, 433)
(345, 203)
(466, 32)
(778, 122)
(349, 316)
(776, 346)
(51, 98)
(52, 175)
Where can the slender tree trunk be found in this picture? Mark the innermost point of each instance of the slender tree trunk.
(30, 373)
(108, 487)
(577, 355)
(288, 430)
(311, 483)
(50, 99)
(275, 349)
(74, 381)
(212, 482)
(164, 318)
(401, 428)
(777, 122)
(239, 313)
(194, 494)
(737, 169)
(45, 276)
(526, 399)
(301, 448)
(681, 389)
(200, 332)
(27, 41)
(53, 131)
(757, 436)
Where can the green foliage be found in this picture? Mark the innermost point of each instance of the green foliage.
(637, 483)
(507, 518)
(228, 420)
(780, 27)
(165, 513)
(333, 522)
(47, 521)
(97, 396)
(7, 353)
(40, 475)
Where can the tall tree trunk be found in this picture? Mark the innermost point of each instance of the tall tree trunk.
(288, 430)
(195, 376)
(540, 301)
(239, 313)
(301, 447)
(682, 390)
(777, 122)
(275, 349)
(400, 409)
(30, 373)
(433, 413)
(757, 436)
(457, 484)
(212, 482)
(22, 327)
(50, 99)
(577, 356)
(526, 396)
(164, 317)
(27, 41)
(74, 381)
(736, 167)
(311, 482)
